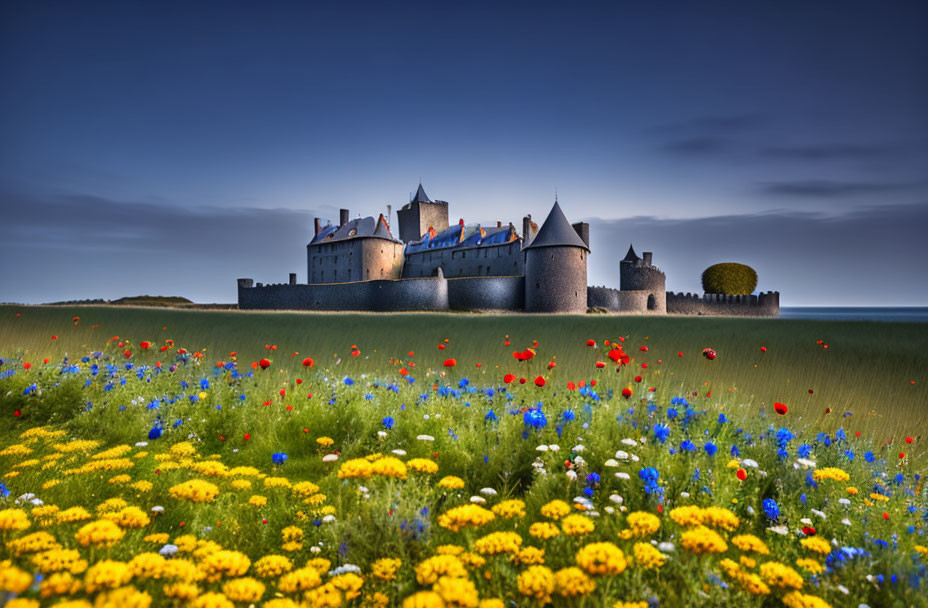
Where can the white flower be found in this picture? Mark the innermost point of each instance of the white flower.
(846, 521)
(684, 494)
(168, 550)
(621, 455)
(488, 492)
(141, 444)
(37, 502)
(635, 458)
(616, 499)
(425, 416)
(609, 510)
(844, 501)
(315, 549)
(579, 448)
(330, 458)
(157, 509)
(805, 462)
(611, 463)
(425, 438)
(751, 510)
(572, 475)
(478, 500)
(666, 547)
(819, 513)
(630, 442)
(328, 519)
(381, 434)
(747, 462)
(622, 475)
(806, 521)
(781, 530)
(586, 502)
(398, 452)
(26, 497)
(345, 569)
(542, 448)
(363, 489)
(579, 460)
(554, 447)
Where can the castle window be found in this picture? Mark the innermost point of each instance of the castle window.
(336, 276)
(651, 302)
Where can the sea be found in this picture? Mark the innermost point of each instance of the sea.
(907, 314)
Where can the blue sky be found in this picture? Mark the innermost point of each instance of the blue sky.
(167, 148)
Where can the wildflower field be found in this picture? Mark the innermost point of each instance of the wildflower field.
(191, 458)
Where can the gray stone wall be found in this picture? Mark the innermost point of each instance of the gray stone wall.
(376, 296)
(358, 259)
(487, 293)
(626, 302)
(415, 221)
(634, 277)
(505, 259)
(555, 279)
(761, 305)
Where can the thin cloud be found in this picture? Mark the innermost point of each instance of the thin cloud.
(821, 188)
(827, 152)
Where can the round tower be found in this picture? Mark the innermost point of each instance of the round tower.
(643, 285)
(555, 267)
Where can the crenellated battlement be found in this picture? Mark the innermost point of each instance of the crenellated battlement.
(765, 304)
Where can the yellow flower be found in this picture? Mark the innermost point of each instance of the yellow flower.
(107, 574)
(33, 543)
(299, 580)
(59, 560)
(16, 449)
(810, 565)
(571, 582)
(429, 571)
(687, 515)
(185, 592)
(389, 467)
(749, 542)
(246, 590)
(124, 597)
(100, 533)
(182, 570)
(147, 565)
(555, 509)
(212, 600)
(491, 603)
(386, 568)
(319, 564)
(465, 515)
(13, 579)
(601, 559)
(257, 501)
(852, 490)
(424, 599)
(832, 473)
(130, 517)
(423, 465)
(304, 489)
(748, 581)
(456, 592)
(641, 524)
(225, 563)
(703, 540)
(354, 469)
(143, 486)
(450, 482)
(22, 602)
(647, 556)
(530, 556)
(621, 604)
(195, 490)
(241, 484)
(349, 584)
(543, 530)
(276, 482)
(325, 441)
(577, 525)
(718, 517)
(509, 509)
(780, 575)
(795, 599)
(537, 582)
(14, 519)
(272, 566)
(816, 544)
(498, 542)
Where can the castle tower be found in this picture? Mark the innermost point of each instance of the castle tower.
(642, 284)
(421, 213)
(555, 267)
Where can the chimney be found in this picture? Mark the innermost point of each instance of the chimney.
(583, 231)
(526, 230)
(342, 217)
(646, 258)
(317, 225)
(293, 278)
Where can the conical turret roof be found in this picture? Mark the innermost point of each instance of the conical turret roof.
(556, 231)
(631, 256)
(421, 196)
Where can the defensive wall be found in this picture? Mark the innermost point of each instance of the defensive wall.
(760, 305)
(426, 294)
(504, 259)
(626, 301)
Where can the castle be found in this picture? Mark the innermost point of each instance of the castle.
(359, 265)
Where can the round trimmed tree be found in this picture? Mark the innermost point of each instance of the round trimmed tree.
(729, 278)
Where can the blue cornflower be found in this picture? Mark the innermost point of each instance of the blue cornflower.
(771, 508)
(593, 478)
(348, 381)
(661, 432)
(535, 418)
(688, 446)
(491, 417)
(204, 384)
(569, 415)
(279, 457)
(388, 422)
(671, 413)
(711, 448)
(155, 431)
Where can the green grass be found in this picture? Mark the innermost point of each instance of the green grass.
(868, 367)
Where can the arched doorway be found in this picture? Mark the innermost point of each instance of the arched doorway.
(652, 304)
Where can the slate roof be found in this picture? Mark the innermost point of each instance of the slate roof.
(358, 228)
(556, 231)
(421, 196)
(631, 256)
(463, 236)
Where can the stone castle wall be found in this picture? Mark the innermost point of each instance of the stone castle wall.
(428, 294)
(625, 301)
(503, 260)
(555, 279)
(761, 305)
(354, 260)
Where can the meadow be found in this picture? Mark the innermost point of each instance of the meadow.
(224, 458)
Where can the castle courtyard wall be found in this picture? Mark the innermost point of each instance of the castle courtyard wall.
(760, 305)
(487, 293)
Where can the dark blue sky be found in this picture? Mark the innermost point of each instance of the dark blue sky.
(169, 148)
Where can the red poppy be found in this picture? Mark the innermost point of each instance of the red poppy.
(283, 392)
(46, 360)
(857, 434)
(299, 381)
(552, 365)
(627, 392)
(144, 344)
(885, 515)
(637, 378)
(450, 362)
(525, 355)
(810, 391)
(27, 365)
(127, 353)
(644, 348)
(264, 363)
(479, 364)
(644, 366)
(591, 342)
(355, 353)
(289, 408)
(308, 362)
(709, 354)
(618, 356)
(507, 343)
(54, 337)
(17, 413)
(509, 378)
(901, 455)
(404, 371)
(540, 381)
(652, 389)
(741, 474)
(247, 436)
(763, 349)
(909, 439)
(600, 364)
(571, 386)
(780, 408)
(679, 354)
(522, 380)
(593, 382)
(441, 347)
(808, 530)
